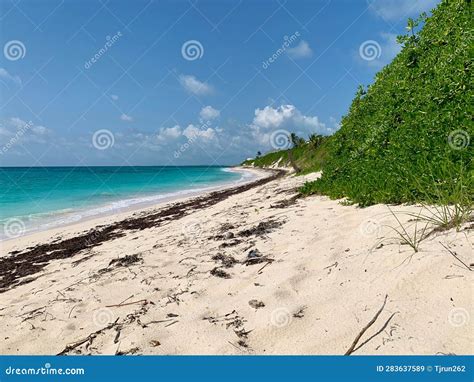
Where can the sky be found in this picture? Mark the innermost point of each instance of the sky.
(147, 82)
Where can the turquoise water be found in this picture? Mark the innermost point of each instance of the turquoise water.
(50, 196)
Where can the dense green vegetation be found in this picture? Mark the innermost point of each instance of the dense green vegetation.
(406, 137)
(307, 156)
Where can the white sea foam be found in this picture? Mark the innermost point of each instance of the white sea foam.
(64, 217)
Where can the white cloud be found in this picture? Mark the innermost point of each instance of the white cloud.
(170, 132)
(208, 113)
(193, 85)
(126, 118)
(302, 50)
(286, 117)
(7, 76)
(15, 129)
(40, 130)
(114, 97)
(269, 117)
(18, 123)
(400, 10)
(192, 132)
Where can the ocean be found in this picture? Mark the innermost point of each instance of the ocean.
(39, 198)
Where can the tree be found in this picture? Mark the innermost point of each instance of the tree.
(315, 140)
(295, 140)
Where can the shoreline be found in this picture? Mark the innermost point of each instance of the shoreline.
(61, 223)
(96, 231)
(250, 270)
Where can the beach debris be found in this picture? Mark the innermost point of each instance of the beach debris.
(171, 323)
(134, 350)
(242, 343)
(354, 346)
(143, 302)
(155, 343)
(225, 236)
(286, 202)
(299, 313)
(220, 273)
(81, 260)
(118, 329)
(228, 235)
(234, 321)
(88, 339)
(255, 257)
(125, 261)
(230, 243)
(455, 255)
(256, 304)
(227, 261)
(231, 319)
(226, 227)
(330, 267)
(242, 333)
(175, 296)
(262, 228)
(15, 267)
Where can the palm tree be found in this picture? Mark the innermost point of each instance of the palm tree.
(295, 140)
(316, 140)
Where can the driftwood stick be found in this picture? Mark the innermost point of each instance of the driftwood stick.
(376, 334)
(143, 301)
(456, 257)
(90, 337)
(269, 262)
(364, 329)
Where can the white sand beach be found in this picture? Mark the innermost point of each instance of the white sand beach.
(259, 272)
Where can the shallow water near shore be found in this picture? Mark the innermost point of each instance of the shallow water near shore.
(46, 197)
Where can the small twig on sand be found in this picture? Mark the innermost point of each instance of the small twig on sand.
(90, 337)
(456, 257)
(264, 266)
(143, 301)
(376, 334)
(70, 312)
(361, 333)
(171, 323)
(235, 346)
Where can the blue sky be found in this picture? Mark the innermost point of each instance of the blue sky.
(182, 82)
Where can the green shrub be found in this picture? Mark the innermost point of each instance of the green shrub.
(406, 137)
